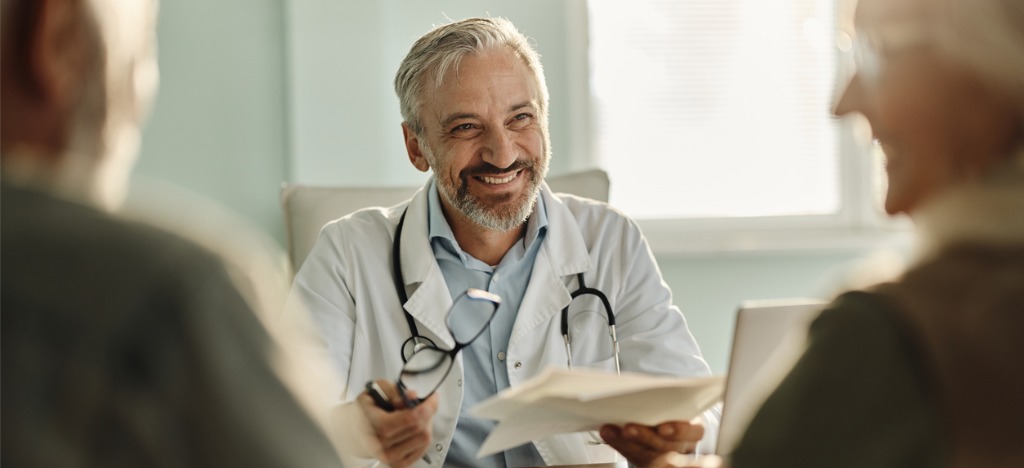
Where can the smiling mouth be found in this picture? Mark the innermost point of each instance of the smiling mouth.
(493, 180)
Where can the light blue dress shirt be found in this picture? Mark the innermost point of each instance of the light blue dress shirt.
(484, 360)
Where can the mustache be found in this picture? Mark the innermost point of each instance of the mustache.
(487, 169)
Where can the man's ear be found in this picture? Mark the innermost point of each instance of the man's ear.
(412, 146)
(61, 51)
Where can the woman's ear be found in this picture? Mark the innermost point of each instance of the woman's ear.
(412, 147)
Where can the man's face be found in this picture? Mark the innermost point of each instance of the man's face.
(485, 139)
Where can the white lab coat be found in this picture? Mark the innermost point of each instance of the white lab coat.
(346, 285)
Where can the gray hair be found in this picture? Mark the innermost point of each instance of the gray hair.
(987, 36)
(442, 49)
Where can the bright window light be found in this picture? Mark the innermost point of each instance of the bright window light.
(716, 108)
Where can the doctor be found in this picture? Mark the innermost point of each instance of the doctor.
(475, 109)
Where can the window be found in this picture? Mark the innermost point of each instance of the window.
(719, 110)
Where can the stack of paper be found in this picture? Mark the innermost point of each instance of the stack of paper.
(559, 401)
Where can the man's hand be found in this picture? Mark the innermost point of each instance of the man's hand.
(404, 434)
(642, 445)
(678, 460)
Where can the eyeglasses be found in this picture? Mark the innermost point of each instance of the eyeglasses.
(426, 365)
(871, 48)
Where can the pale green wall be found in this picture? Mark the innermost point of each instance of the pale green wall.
(708, 288)
(342, 58)
(225, 125)
(219, 126)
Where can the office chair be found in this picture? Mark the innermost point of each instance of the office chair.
(308, 208)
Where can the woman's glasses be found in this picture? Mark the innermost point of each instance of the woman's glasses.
(870, 48)
(426, 365)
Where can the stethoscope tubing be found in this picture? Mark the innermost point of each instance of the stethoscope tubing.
(416, 339)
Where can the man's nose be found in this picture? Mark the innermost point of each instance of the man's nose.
(851, 97)
(500, 150)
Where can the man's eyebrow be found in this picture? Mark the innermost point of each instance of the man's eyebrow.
(521, 105)
(469, 115)
(453, 117)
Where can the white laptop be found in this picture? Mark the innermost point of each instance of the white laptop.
(768, 339)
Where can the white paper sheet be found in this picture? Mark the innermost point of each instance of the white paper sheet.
(559, 401)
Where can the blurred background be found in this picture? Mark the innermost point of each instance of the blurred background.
(711, 118)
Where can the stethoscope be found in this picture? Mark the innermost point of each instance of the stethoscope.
(416, 341)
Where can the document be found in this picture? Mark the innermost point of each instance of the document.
(559, 401)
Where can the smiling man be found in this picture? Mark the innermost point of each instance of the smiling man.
(381, 283)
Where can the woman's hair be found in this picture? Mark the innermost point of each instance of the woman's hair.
(985, 35)
(439, 51)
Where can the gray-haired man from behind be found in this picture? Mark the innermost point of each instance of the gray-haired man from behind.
(123, 345)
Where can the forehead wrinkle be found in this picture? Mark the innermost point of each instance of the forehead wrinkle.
(495, 83)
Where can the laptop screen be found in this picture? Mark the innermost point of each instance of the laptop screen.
(768, 338)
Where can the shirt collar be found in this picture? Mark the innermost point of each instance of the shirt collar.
(438, 228)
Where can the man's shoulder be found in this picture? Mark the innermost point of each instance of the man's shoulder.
(71, 260)
(42, 230)
(588, 208)
(371, 223)
(594, 217)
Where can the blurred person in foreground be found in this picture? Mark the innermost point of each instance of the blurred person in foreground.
(924, 371)
(123, 344)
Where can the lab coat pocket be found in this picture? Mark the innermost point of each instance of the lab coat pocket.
(589, 335)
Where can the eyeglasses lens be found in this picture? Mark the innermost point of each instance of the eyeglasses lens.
(425, 371)
(470, 315)
(467, 319)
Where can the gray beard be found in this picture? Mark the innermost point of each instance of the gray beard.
(502, 220)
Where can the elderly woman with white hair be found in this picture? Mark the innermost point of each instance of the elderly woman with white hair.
(924, 370)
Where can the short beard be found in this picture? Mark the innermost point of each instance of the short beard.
(513, 209)
(511, 214)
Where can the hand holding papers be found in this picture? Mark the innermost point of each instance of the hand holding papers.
(559, 401)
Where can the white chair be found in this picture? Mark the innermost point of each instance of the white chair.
(308, 208)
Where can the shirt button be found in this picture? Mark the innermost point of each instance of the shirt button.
(460, 382)
(518, 364)
(438, 447)
(501, 355)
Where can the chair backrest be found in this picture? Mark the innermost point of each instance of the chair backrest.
(308, 208)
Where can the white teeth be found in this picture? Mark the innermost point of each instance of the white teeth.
(495, 180)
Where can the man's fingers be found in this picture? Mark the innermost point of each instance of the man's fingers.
(645, 445)
(429, 406)
(677, 436)
(650, 438)
(408, 450)
(681, 431)
(678, 460)
(635, 451)
(400, 425)
(404, 434)
(393, 425)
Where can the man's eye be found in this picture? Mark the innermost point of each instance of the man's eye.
(521, 120)
(463, 128)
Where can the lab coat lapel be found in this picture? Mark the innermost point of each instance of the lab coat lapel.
(562, 255)
(430, 300)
